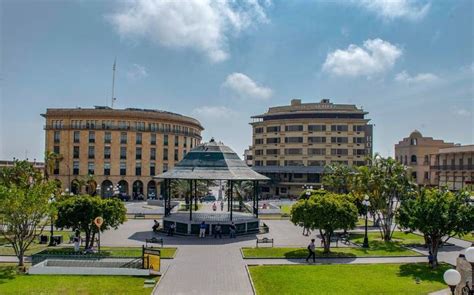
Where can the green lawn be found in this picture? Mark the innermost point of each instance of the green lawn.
(115, 251)
(13, 283)
(7, 249)
(361, 222)
(285, 209)
(468, 237)
(399, 238)
(347, 279)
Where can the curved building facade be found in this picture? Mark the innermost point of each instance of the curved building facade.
(108, 151)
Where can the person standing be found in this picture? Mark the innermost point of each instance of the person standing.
(171, 229)
(311, 248)
(202, 230)
(77, 243)
(232, 230)
(218, 231)
(222, 205)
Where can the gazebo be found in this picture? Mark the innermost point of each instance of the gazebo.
(211, 161)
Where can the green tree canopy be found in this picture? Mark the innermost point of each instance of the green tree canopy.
(337, 178)
(437, 214)
(79, 212)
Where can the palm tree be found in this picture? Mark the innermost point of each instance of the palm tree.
(243, 189)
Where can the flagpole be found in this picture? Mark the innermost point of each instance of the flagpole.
(113, 81)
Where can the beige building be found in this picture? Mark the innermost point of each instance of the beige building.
(414, 151)
(291, 144)
(248, 156)
(117, 150)
(453, 167)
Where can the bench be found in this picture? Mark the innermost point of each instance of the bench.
(154, 241)
(264, 241)
(139, 216)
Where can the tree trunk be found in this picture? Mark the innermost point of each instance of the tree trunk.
(21, 255)
(92, 240)
(88, 238)
(434, 247)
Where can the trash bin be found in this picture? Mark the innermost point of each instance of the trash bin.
(43, 239)
(58, 239)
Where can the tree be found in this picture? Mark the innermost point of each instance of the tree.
(386, 182)
(243, 189)
(337, 178)
(24, 205)
(327, 213)
(79, 212)
(51, 160)
(437, 214)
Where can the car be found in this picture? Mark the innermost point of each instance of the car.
(209, 198)
(124, 197)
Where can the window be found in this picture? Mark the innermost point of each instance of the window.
(90, 168)
(273, 140)
(165, 154)
(176, 141)
(138, 139)
(57, 136)
(273, 151)
(273, 129)
(176, 155)
(75, 168)
(293, 139)
(293, 151)
(77, 136)
(294, 128)
(413, 159)
(413, 141)
(358, 139)
(358, 128)
(185, 141)
(138, 153)
(153, 139)
(106, 168)
(56, 149)
(165, 167)
(123, 152)
(123, 168)
(340, 162)
(56, 168)
(258, 140)
(258, 152)
(152, 169)
(316, 128)
(293, 163)
(153, 154)
(316, 139)
(359, 163)
(141, 126)
(273, 163)
(426, 175)
(413, 175)
(317, 163)
(259, 130)
(339, 152)
(123, 137)
(258, 163)
(427, 160)
(91, 136)
(107, 137)
(138, 169)
(313, 152)
(75, 152)
(298, 175)
(339, 140)
(165, 140)
(106, 152)
(339, 128)
(91, 152)
(358, 152)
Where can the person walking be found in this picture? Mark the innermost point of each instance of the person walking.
(430, 259)
(171, 229)
(232, 230)
(218, 231)
(311, 248)
(222, 205)
(202, 230)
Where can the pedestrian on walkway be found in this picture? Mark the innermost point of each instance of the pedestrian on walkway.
(218, 231)
(202, 230)
(430, 259)
(232, 230)
(311, 248)
(222, 205)
(171, 229)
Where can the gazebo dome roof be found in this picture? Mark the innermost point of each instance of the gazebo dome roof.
(212, 160)
(415, 134)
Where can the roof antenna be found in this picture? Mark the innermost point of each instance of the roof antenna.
(113, 82)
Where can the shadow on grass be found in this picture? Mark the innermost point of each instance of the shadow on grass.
(303, 253)
(7, 273)
(424, 272)
(70, 251)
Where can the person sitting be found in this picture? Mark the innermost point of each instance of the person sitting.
(156, 225)
(218, 231)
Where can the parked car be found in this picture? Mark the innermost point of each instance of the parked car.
(209, 198)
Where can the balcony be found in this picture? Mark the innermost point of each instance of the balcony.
(452, 167)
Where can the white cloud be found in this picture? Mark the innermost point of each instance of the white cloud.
(393, 9)
(374, 57)
(461, 112)
(245, 87)
(213, 112)
(137, 72)
(203, 25)
(417, 79)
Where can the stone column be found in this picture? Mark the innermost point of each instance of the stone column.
(465, 269)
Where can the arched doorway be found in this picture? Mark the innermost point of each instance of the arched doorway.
(151, 190)
(91, 187)
(123, 187)
(107, 189)
(75, 187)
(137, 190)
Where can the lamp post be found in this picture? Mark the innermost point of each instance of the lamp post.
(469, 254)
(366, 204)
(51, 240)
(452, 277)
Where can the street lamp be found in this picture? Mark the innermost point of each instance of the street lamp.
(51, 201)
(366, 204)
(452, 277)
(469, 254)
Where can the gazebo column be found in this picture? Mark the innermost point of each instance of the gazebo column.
(228, 195)
(231, 198)
(169, 196)
(165, 197)
(190, 200)
(256, 200)
(195, 195)
(254, 196)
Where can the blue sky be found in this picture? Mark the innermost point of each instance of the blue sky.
(408, 63)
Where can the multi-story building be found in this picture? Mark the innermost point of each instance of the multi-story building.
(248, 156)
(453, 167)
(39, 166)
(117, 150)
(292, 144)
(414, 151)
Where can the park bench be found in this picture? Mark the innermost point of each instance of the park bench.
(264, 241)
(139, 216)
(154, 240)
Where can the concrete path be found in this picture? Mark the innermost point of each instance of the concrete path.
(448, 254)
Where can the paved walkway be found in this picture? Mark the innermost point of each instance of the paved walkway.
(362, 260)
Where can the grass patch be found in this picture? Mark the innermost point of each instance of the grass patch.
(13, 283)
(361, 222)
(7, 249)
(183, 207)
(398, 238)
(347, 279)
(285, 209)
(114, 251)
(290, 253)
(469, 237)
